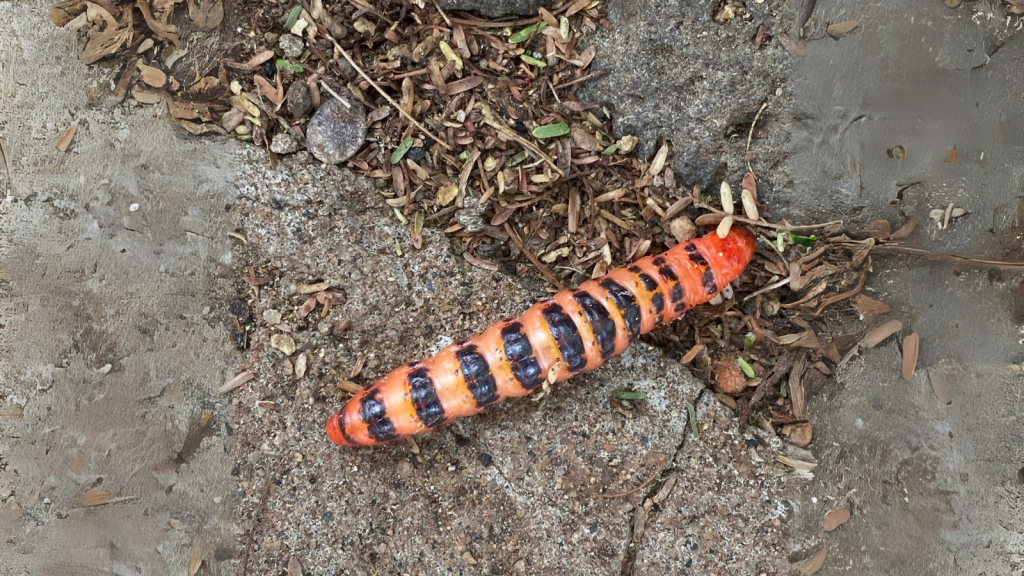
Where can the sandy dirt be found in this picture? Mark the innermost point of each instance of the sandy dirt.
(121, 303)
(113, 260)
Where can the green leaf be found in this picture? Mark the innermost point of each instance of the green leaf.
(563, 27)
(517, 158)
(745, 367)
(551, 130)
(803, 240)
(783, 392)
(399, 152)
(630, 395)
(283, 64)
(692, 413)
(748, 341)
(293, 17)
(780, 241)
(463, 155)
(523, 34)
(533, 61)
(610, 150)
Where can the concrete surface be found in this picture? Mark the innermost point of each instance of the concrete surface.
(548, 487)
(935, 488)
(111, 336)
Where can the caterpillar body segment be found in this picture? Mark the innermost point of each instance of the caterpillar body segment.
(578, 329)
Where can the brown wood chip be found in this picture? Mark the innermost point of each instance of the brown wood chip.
(796, 387)
(904, 231)
(800, 434)
(879, 334)
(692, 353)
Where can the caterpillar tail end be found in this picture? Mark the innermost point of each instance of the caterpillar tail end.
(334, 430)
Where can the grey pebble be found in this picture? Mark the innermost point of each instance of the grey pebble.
(298, 99)
(284, 143)
(291, 45)
(335, 131)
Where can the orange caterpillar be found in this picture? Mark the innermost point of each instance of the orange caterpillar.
(580, 329)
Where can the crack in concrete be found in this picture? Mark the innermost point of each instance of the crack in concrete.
(629, 562)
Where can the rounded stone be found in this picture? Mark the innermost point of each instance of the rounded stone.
(298, 99)
(284, 143)
(336, 131)
(291, 45)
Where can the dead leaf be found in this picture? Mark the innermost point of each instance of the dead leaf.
(479, 262)
(294, 567)
(793, 46)
(65, 140)
(360, 362)
(206, 14)
(841, 29)
(749, 183)
(307, 307)
(868, 307)
(911, 345)
(300, 365)
(810, 565)
(255, 62)
(836, 518)
(96, 497)
(585, 140)
(350, 387)
(460, 86)
(952, 157)
(879, 334)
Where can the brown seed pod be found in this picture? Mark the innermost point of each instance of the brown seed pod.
(728, 377)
